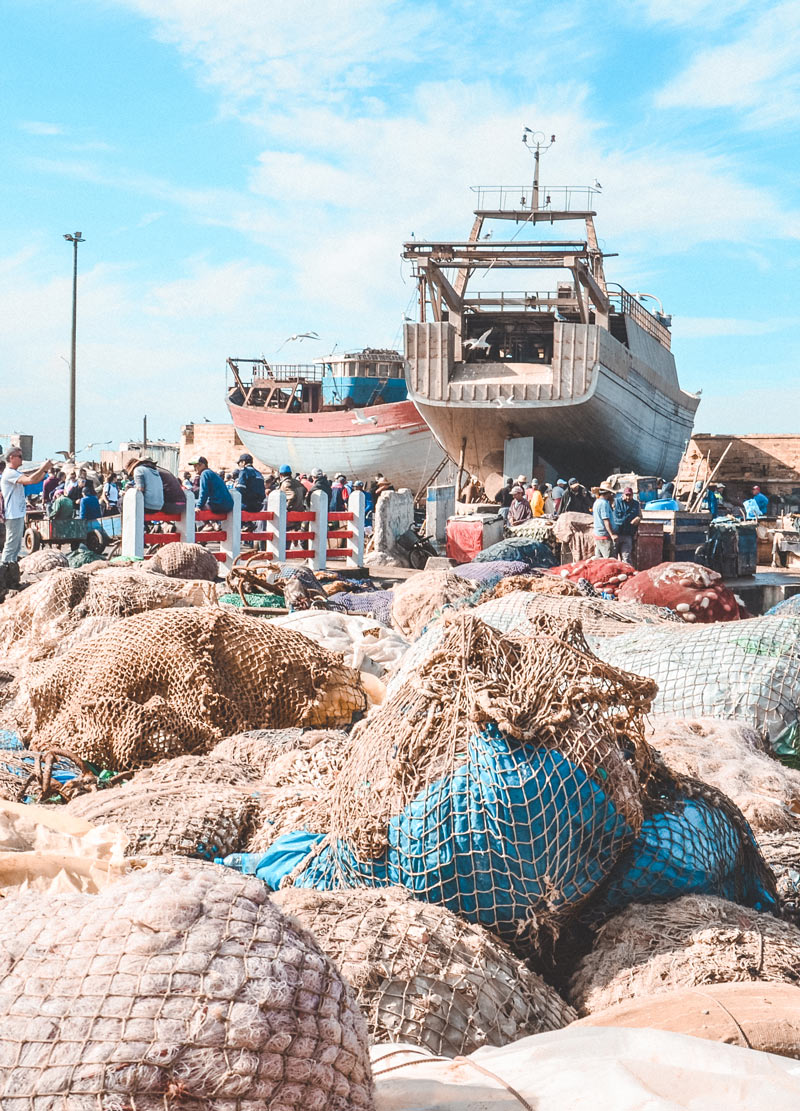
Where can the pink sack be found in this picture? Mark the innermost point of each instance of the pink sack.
(695, 592)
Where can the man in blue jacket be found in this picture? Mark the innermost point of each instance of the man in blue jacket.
(250, 485)
(213, 494)
(627, 514)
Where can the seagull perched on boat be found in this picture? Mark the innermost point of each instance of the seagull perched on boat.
(480, 344)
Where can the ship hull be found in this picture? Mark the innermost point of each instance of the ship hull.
(598, 408)
(392, 440)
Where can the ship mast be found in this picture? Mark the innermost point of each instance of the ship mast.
(536, 144)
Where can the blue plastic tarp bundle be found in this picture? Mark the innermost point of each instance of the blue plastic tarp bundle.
(531, 552)
(515, 830)
(692, 848)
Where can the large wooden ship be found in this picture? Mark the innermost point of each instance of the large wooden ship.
(584, 368)
(347, 412)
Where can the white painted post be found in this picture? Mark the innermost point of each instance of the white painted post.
(276, 504)
(319, 507)
(186, 525)
(133, 524)
(232, 525)
(357, 505)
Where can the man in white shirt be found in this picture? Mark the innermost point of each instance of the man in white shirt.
(12, 487)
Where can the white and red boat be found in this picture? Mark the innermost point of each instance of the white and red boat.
(347, 413)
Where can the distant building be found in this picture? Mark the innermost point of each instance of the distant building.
(161, 452)
(770, 461)
(17, 439)
(219, 443)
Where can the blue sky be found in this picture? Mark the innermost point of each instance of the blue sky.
(244, 170)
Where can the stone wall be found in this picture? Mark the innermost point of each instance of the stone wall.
(219, 443)
(771, 461)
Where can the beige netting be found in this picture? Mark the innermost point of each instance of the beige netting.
(40, 621)
(195, 769)
(697, 939)
(259, 747)
(183, 818)
(598, 616)
(185, 561)
(182, 987)
(540, 584)
(731, 757)
(176, 681)
(782, 853)
(424, 976)
(416, 601)
(33, 566)
(300, 789)
(545, 687)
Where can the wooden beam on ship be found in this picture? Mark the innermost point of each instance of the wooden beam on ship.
(451, 297)
(463, 276)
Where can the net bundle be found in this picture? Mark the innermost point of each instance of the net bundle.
(745, 671)
(419, 599)
(422, 975)
(67, 605)
(169, 682)
(181, 818)
(181, 987)
(32, 567)
(260, 747)
(502, 779)
(732, 757)
(782, 853)
(185, 561)
(694, 940)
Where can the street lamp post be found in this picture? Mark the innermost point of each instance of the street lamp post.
(74, 240)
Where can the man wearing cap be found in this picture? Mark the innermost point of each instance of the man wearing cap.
(557, 495)
(576, 499)
(604, 536)
(12, 489)
(293, 488)
(520, 509)
(536, 499)
(213, 494)
(250, 485)
(625, 518)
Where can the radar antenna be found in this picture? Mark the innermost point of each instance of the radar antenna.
(536, 142)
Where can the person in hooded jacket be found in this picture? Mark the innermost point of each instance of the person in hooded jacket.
(250, 484)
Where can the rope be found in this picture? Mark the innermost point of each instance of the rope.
(427, 1060)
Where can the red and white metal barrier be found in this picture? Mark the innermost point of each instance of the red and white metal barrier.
(304, 535)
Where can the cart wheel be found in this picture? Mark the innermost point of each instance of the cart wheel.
(95, 541)
(32, 540)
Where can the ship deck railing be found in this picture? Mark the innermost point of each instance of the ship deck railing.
(516, 198)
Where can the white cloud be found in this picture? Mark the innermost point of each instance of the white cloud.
(711, 327)
(689, 13)
(756, 73)
(37, 127)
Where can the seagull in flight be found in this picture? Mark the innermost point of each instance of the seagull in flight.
(480, 344)
(300, 336)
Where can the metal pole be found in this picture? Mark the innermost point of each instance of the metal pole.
(74, 239)
(144, 436)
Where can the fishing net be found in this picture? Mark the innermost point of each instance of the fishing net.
(535, 528)
(261, 747)
(731, 756)
(169, 682)
(747, 671)
(695, 592)
(542, 584)
(530, 552)
(32, 567)
(375, 603)
(38, 621)
(422, 597)
(185, 561)
(693, 840)
(181, 987)
(494, 571)
(607, 575)
(300, 789)
(502, 780)
(695, 940)
(83, 557)
(423, 976)
(195, 770)
(181, 817)
(782, 853)
(789, 607)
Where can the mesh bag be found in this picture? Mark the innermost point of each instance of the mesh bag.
(184, 988)
(184, 818)
(196, 770)
(531, 552)
(185, 561)
(646, 950)
(494, 571)
(695, 592)
(535, 528)
(423, 976)
(748, 671)
(730, 756)
(32, 567)
(607, 575)
(175, 681)
(693, 840)
(38, 621)
(502, 780)
(782, 853)
(422, 597)
(261, 747)
(375, 603)
(789, 607)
